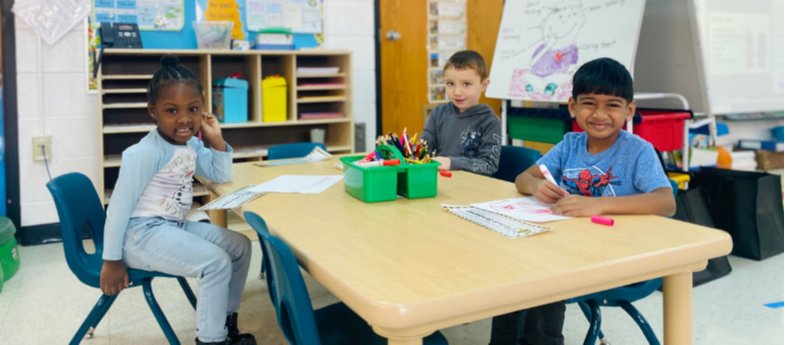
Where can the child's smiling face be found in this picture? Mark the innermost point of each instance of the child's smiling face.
(464, 87)
(178, 112)
(601, 116)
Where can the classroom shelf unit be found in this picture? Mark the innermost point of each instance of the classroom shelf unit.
(123, 119)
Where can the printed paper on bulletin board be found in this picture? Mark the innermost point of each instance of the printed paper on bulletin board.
(446, 35)
(166, 15)
(301, 16)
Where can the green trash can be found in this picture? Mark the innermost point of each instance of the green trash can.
(9, 253)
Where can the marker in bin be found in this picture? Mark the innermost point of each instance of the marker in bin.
(388, 162)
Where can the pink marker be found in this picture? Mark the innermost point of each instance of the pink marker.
(547, 174)
(602, 220)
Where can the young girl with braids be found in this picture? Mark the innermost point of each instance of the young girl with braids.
(145, 225)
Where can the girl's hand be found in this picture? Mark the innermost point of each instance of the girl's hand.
(211, 129)
(114, 277)
(578, 206)
(445, 162)
(549, 193)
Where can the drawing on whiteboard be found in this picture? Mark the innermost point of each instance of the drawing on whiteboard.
(555, 59)
(542, 43)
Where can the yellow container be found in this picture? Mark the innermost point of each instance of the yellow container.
(680, 178)
(274, 99)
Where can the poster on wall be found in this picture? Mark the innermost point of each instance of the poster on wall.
(301, 16)
(446, 35)
(148, 14)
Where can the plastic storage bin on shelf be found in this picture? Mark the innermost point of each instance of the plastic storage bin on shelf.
(230, 100)
(274, 99)
(375, 184)
(9, 252)
(540, 125)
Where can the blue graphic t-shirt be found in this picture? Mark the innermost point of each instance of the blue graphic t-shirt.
(629, 167)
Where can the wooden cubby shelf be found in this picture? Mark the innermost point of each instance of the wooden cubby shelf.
(123, 118)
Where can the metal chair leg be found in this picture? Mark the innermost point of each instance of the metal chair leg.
(587, 313)
(158, 313)
(641, 321)
(261, 271)
(100, 316)
(188, 292)
(594, 323)
(99, 310)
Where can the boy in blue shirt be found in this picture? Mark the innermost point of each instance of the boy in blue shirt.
(603, 170)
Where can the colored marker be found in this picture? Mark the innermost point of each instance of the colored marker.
(199, 134)
(368, 158)
(602, 220)
(547, 174)
(445, 173)
(388, 162)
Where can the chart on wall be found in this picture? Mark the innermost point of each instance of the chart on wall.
(148, 14)
(446, 36)
(742, 48)
(301, 16)
(542, 43)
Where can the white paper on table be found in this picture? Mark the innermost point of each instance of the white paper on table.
(526, 208)
(499, 223)
(305, 184)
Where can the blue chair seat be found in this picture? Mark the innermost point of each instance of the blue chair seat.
(514, 160)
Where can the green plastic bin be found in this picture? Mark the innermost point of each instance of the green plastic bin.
(9, 252)
(376, 184)
(537, 129)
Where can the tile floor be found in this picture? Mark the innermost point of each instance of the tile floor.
(45, 304)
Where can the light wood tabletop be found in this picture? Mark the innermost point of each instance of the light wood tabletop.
(410, 268)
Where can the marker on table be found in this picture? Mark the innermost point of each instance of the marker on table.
(445, 173)
(602, 220)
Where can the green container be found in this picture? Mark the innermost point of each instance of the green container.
(9, 253)
(538, 129)
(376, 184)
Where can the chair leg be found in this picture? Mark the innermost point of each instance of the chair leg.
(594, 323)
(188, 292)
(99, 310)
(641, 321)
(100, 316)
(587, 313)
(261, 271)
(159, 315)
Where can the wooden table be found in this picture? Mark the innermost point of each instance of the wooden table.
(409, 268)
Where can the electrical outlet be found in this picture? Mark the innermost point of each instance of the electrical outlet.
(38, 142)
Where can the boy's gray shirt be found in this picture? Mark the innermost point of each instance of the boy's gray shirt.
(471, 139)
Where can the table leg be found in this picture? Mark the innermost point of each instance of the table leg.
(217, 217)
(677, 308)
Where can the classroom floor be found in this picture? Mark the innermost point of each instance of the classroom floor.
(45, 304)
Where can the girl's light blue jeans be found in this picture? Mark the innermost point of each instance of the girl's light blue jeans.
(220, 258)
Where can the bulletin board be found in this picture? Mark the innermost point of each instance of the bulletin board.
(301, 16)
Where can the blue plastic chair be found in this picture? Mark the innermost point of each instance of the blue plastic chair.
(288, 151)
(619, 297)
(514, 160)
(334, 324)
(78, 207)
(295, 150)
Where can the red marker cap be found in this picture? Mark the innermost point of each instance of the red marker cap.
(445, 173)
(391, 162)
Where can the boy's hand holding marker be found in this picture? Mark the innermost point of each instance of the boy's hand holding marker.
(548, 190)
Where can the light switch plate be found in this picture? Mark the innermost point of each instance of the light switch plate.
(46, 142)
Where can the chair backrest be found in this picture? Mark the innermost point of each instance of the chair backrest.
(78, 206)
(514, 160)
(295, 150)
(290, 296)
(675, 187)
(258, 224)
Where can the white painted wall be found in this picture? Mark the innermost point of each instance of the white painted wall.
(71, 115)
